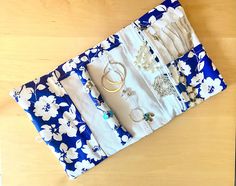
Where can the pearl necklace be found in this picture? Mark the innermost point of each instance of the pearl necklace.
(146, 61)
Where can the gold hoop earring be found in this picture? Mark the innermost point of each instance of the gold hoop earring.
(114, 90)
(115, 63)
(114, 82)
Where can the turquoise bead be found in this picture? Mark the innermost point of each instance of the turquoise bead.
(105, 116)
(148, 116)
(108, 115)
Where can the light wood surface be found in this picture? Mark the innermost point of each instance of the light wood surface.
(195, 149)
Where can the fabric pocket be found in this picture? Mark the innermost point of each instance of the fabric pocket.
(60, 124)
(196, 77)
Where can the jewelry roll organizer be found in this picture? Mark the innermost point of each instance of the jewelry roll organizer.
(121, 90)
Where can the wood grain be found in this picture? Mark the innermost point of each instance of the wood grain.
(196, 148)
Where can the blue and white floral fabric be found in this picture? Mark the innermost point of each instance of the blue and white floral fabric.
(156, 13)
(167, 68)
(59, 123)
(107, 113)
(196, 76)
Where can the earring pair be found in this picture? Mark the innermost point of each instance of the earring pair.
(105, 79)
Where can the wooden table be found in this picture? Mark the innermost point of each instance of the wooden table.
(196, 149)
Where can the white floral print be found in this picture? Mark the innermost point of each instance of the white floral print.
(201, 55)
(200, 66)
(68, 66)
(213, 66)
(68, 123)
(85, 75)
(84, 165)
(55, 87)
(174, 73)
(105, 44)
(152, 19)
(50, 132)
(185, 96)
(191, 54)
(22, 96)
(46, 107)
(161, 8)
(88, 86)
(196, 80)
(210, 87)
(81, 167)
(67, 154)
(184, 68)
(92, 150)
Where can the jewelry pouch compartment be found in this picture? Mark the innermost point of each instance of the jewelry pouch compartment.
(121, 90)
(196, 77)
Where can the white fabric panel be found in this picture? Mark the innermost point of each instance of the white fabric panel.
(165, 108)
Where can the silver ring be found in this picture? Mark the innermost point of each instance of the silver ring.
(132, 113)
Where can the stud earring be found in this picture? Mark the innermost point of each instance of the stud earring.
(88, 86)
(127, 93)
(149, 117)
